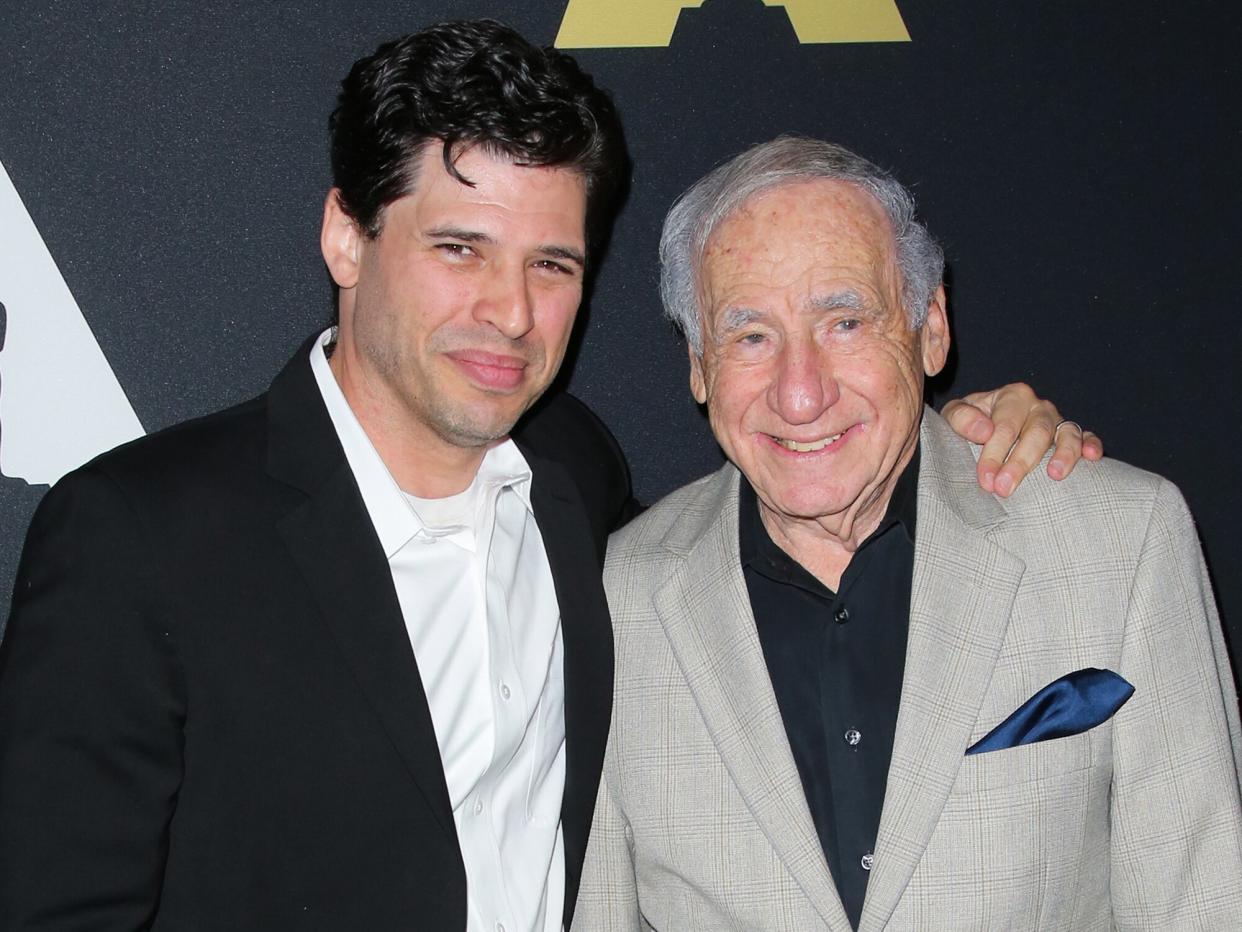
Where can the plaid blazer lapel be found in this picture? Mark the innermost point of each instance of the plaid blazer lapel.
(963, 591)
(707, 618)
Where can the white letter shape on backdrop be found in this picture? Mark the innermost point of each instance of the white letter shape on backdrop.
(60, 401)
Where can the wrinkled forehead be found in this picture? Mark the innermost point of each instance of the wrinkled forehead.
(797, 227)
(785, 207)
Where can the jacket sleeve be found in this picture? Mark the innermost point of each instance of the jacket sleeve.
(608, 894)
(92, 706)
(1176, 816)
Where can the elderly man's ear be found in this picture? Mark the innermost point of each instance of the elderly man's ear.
(698, 385)
(935, 334)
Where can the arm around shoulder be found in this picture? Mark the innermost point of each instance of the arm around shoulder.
(91, 711)
(1177, 744)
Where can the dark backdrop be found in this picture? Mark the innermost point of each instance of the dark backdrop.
(1077, 160)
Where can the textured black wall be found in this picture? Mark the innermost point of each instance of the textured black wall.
(1078, 161)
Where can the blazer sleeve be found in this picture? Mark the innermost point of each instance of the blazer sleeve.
(92, 706)
(1176, 817)
(608, 894)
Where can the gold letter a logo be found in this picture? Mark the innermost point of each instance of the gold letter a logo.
(594, 24)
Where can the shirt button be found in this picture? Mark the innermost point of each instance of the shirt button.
(867, 861)
(842, 615)
(478, 807)
(852, 737)
(505, 692)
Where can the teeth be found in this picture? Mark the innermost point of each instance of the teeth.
(806, 447)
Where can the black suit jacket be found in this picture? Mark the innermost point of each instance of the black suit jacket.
(210, 713)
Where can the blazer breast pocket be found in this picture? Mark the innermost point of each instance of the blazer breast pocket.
(1026, 763)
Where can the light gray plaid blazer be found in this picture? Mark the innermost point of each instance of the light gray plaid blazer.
(701, 823)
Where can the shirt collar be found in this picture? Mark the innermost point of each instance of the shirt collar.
(504, 466)
(394, 518)
(758, 550)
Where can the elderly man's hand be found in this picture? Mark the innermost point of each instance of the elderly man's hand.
(1016, 428)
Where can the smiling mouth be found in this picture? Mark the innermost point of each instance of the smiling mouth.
(806, 446)
(491, 370)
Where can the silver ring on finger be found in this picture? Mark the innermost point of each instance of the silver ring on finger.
(1063, 422)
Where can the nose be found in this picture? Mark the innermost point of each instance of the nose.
(804, 386)
(505, 302)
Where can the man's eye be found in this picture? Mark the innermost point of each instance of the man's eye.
(850, 323)
(752, 339)
(552, 266)
(455, 249)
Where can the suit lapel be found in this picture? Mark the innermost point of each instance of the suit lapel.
(707, 617)
(333, 543)
(963, 591)
(587, 638)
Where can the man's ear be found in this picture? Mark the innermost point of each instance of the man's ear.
(935, 334)
(698, 384)
(340, 241)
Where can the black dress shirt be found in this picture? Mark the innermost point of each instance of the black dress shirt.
(836, 661)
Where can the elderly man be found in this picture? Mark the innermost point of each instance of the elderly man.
(853, 690)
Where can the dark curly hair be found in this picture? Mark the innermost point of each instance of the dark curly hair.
(464, 84)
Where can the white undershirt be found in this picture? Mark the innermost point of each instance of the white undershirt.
(476, 592)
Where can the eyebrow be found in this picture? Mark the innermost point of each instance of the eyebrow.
(466, 236)
(847, 299)
(568, 253)
(564, 252)
(735, 318)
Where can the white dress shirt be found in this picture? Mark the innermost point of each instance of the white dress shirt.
(476, 592)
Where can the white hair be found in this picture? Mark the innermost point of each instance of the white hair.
(695, 216)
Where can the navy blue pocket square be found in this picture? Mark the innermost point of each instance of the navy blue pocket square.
(1066, 706)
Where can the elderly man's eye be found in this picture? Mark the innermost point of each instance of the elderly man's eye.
(850, 323)
(752, 339)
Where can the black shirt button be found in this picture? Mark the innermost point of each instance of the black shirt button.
(842, 615)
